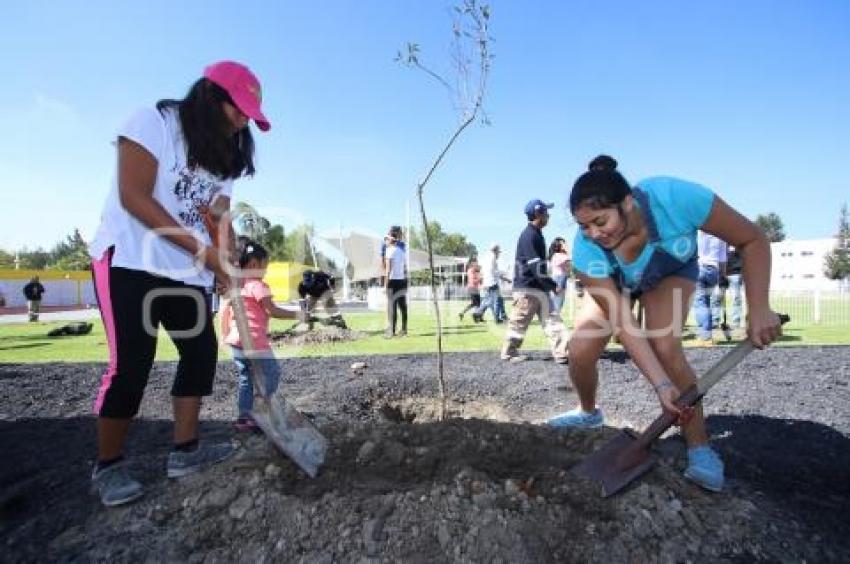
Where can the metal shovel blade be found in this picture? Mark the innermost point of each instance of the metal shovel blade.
(291, 432)
(617, 464)
(628, 456)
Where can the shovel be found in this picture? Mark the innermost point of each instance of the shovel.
(628, 456)
(284, 425)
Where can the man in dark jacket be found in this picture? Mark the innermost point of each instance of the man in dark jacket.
(731, 283)
(33, 292)
(318, 286)
(532, 285)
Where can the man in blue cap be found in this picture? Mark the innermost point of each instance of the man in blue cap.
(532, 285)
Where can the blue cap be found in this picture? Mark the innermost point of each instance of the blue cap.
(535, 206)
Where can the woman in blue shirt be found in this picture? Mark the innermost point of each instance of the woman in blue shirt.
(640, 243)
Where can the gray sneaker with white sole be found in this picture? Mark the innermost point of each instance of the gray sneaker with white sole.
(115, 486)
(185, 463)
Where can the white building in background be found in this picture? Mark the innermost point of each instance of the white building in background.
(799, 265)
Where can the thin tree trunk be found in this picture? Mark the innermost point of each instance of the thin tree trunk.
(480, 16)
(441, 377)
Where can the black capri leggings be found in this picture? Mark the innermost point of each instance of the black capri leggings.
(133, 304)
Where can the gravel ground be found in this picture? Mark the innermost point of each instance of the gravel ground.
(490, 485)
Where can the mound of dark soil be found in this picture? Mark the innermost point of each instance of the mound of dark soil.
(399, 486)
(318, 335)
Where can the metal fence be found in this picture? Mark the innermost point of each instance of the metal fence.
(806, 307)
(814, 307)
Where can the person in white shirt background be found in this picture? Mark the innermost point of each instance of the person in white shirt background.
(395, 282)
(491, 279)
(712, 267)
(731, 286)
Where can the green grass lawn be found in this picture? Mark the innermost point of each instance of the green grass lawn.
(27, 342)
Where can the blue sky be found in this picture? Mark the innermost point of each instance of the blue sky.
(749, 98)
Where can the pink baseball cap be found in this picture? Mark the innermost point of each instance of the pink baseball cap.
(242, 86)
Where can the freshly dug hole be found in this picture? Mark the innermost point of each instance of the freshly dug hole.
(426, 409)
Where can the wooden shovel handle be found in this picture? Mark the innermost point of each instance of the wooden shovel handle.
(667, 419)
(241, 319)
(222, 237)
(693, 394)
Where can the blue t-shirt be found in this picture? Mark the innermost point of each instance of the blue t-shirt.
(679, 208)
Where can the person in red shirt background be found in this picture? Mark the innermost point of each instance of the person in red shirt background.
(473, 285)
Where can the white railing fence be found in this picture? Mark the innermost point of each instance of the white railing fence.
(806, 307)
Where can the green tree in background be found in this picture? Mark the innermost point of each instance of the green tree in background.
(7, 260)
(298, 245)
(293, 246)
(442, 243)
(36, 259)
(301, 251)
(772, 226)
(446, 244)
(274, 241)
(70, 254)
(248, 222)
(837, 262)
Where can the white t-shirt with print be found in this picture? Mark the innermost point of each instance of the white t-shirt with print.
(396, 258)
(181, 191)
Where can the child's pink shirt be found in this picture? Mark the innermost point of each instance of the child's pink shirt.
(560, 264)
(253, 292)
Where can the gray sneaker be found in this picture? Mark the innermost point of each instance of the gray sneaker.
(115, 485)
(184, 463)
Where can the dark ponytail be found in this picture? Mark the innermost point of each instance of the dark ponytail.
(600, 187)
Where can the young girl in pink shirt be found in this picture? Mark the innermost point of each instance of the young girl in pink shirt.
(259, 307)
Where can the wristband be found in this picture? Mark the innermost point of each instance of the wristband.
(663, 385)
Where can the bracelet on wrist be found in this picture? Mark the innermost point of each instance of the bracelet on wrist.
(663, 385)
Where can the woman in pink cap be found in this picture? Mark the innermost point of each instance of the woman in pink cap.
(154, 261)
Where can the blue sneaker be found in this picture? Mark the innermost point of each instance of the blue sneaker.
(578, 418)
(705, 468)
(183, 463)
(115, 485)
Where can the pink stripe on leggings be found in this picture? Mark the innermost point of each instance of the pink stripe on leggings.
(100, 268)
